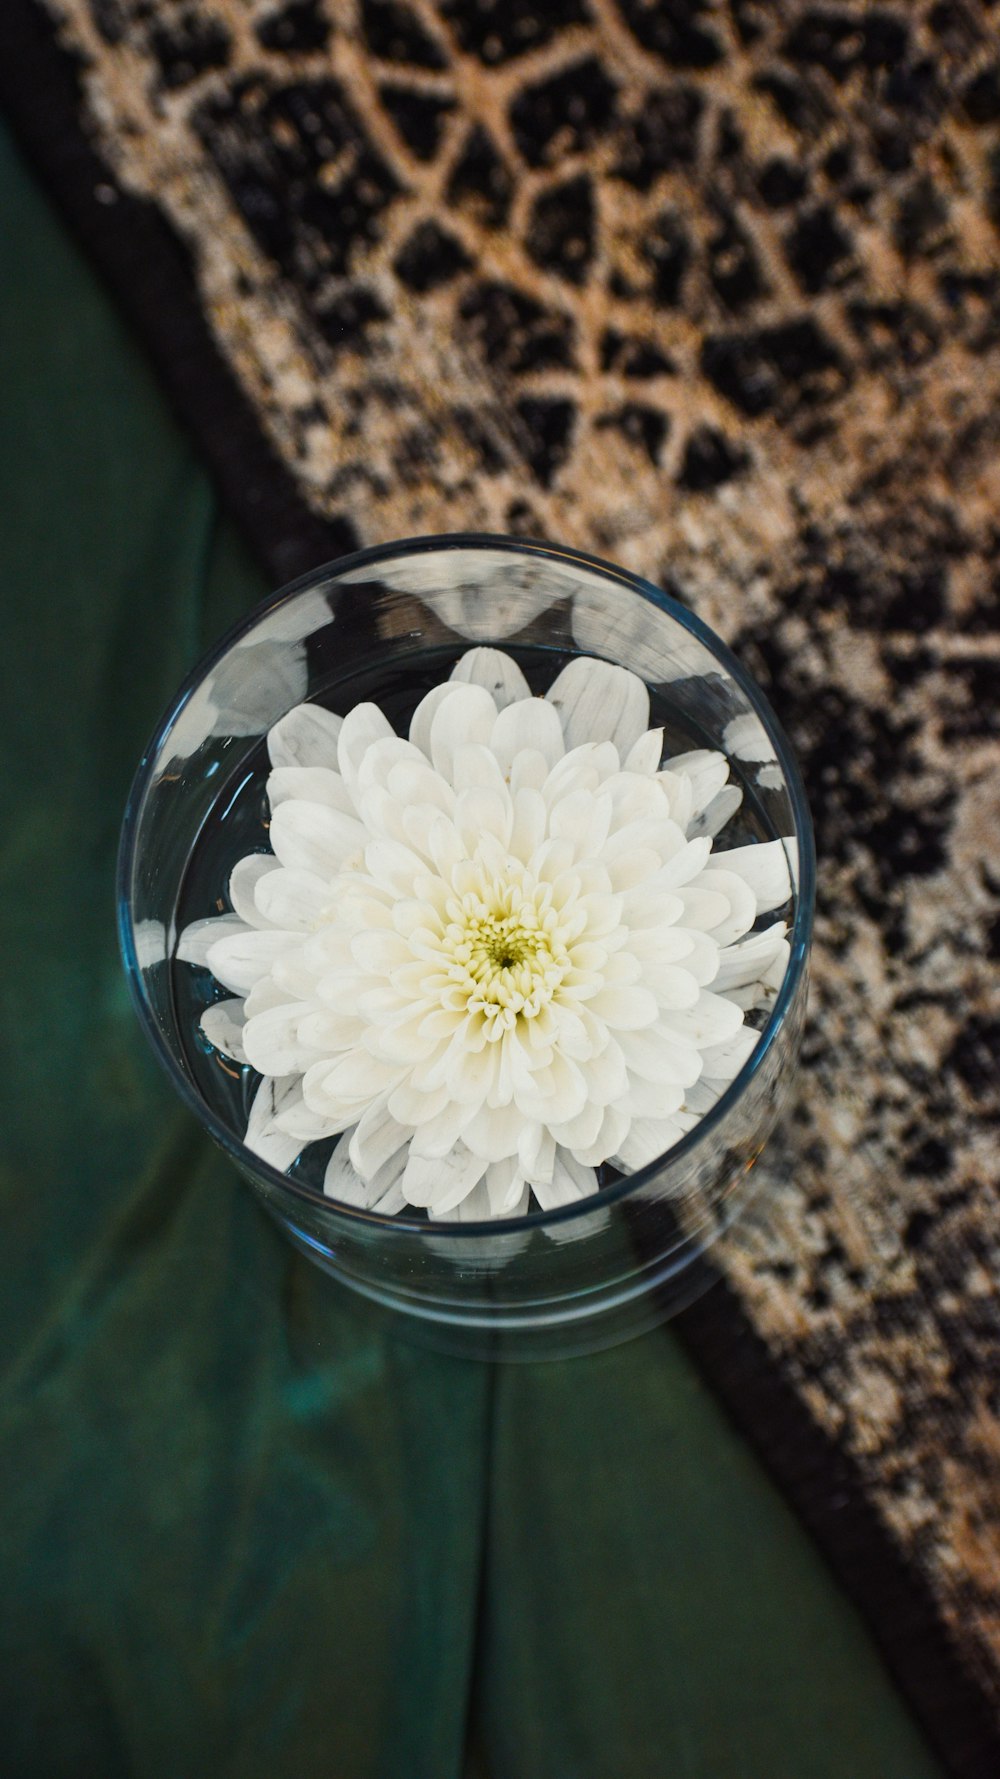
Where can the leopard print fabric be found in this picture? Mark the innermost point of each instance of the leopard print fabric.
(713, 290)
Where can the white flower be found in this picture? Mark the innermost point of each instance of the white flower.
(494, 955)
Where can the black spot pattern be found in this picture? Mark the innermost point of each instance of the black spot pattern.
(429, 257)
(496, 32)
(480, 181)
(188, 45)
(301, 26)
(514, 331)
(394, 33)
(564, 114)
(560, 234)
(419, 117)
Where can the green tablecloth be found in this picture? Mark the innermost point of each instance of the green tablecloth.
(244, 1527)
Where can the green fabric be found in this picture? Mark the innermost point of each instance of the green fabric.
(245, 1527)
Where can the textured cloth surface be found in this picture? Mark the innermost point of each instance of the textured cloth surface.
(244, 1528)
(711, 289)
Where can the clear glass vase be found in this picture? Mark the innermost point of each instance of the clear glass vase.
(385, 625)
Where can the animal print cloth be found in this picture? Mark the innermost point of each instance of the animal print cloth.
(712, 290)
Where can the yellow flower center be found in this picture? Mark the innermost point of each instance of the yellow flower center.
(506, 954)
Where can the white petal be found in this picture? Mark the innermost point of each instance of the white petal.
(423, 716)
(650, 1099)
(764, 867)
(723, 1062)
(663, 837)
(355, 1078)
(679, 792)
(479, 812)
(290, 976)
(379, 1193)
(150, 943)
(529, 827)
(705, 908)
(556, 1093)
(583, 819)
(647, 1140)
(747, 961)
(625, 1009)
(326, 1031)
(493, 1132)
(266, 994)
(529, 771)
(762, 989)
(412, 1108)
(440, 1134)
(471, 1074)
(713, 1020)
(685, 864)
(445, 847)
(376, 1140)
(464, 718)
(707, 772)
(305, 736)
(474, 1208)
(746, 739)
(704, 894)
(295, 900)
(412, 782)
(597, 701)
(312, 837)
(657, 1054)
(272, 1043)
(397, 867)
(665, 943)
(241, 959)
(243, 881)
(443, 1181)
(500, 675)
(579, 1132)
(197, 940)
(222, 1025)
(700, 1098)
(530, 724)
(645, 754)
(312, 784)
(376, 765)
(570, 1181)
(296, 1120)
(722, 808)
(612, 1132)
(263, 1137)
(476, 766)
(361, 728)
(672, 985)
(505, 1188)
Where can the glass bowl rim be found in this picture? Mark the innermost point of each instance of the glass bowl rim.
(799, 936)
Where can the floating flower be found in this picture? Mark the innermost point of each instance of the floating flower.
(496, 955)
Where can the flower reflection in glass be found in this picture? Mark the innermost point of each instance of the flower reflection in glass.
(497, 954)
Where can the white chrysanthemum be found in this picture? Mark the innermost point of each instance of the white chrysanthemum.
(497, 954)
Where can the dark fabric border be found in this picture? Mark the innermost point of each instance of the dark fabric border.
(150, 274)
(826, 1488)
